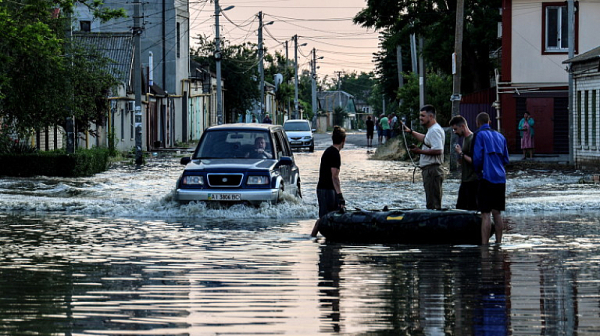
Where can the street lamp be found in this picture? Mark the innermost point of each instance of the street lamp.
(295, 37)
(218, 57)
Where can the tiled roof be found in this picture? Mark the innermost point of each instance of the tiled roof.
(586, 56)
(116, 46)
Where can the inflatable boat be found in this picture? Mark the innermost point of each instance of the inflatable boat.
(403, 226)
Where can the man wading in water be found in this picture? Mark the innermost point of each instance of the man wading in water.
(329, 191)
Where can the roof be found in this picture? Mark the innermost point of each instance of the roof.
(590, 55)
(115, 46)
(246, 126)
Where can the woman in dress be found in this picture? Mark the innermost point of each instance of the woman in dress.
(526, 128)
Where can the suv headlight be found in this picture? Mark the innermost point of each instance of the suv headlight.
(193, 180)
(258, 179)
(307, 137)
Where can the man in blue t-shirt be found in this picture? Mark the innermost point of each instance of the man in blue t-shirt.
(490, 155)
(329, 191)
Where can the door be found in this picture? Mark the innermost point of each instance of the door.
(542, 112)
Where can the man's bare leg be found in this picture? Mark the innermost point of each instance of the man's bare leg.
(486, 227)
(499, 225)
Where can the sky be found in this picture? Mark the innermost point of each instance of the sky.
(325, 25)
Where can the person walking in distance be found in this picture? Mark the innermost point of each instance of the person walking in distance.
(370, 128)
(329, 191)
(467, 192)
(432, 155)
(490, 155)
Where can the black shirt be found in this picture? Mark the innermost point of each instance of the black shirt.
(331, 159)
(370, 125)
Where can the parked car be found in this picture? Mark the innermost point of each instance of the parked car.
(242, 163)
(299, 134)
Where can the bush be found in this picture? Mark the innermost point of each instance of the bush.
(84, 162)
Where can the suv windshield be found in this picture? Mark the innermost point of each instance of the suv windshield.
(296, 126)
(229, 144)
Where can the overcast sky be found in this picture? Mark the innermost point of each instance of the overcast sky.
(323, 24)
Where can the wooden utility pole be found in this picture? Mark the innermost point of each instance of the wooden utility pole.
(456, 74)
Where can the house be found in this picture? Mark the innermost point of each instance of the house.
(202, 101)
(586, 109)
(328, 102)
(533, 78)
(166, 70)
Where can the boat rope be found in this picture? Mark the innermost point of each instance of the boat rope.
(408, 151)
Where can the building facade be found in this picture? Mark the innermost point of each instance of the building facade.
(533, 78)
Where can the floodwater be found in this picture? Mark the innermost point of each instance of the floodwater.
(114, 255)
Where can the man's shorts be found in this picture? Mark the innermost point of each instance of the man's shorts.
(327, 201)
(491, 196)
(467, 195)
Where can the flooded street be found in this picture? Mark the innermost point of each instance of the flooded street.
(114, 255)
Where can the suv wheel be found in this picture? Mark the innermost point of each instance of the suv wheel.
(311, 148)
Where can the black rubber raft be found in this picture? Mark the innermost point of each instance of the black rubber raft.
(403, 226)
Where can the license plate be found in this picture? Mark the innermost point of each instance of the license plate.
(296, 142)
(224, 197)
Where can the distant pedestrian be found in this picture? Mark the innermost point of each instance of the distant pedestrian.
(254, 119)
(329, 190)
(385, 126)
(526, 129)
(267, 120)
(490, 155)
(393, 125)
(467, 192)
(431, 156)
(370, 128)
(379, 130)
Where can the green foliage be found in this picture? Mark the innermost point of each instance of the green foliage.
(359, 85)
(84, 162)
(39, 85)
(438, 89)
(434, 20)
(339, 115)
(239, 69)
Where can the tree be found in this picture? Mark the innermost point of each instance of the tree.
(239, 68)
(434, 20)
(43, 78)
(438, 89)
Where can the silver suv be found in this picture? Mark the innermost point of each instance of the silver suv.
(240, 163)
(299, 134)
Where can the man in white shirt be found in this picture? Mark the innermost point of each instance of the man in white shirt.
(432, 155)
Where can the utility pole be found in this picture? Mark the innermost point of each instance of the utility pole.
(571, 37)
(261, 66)
(296, 111)
(421, 73)
(218, 64)
(339, 83)
(456, 73)
(314, 80)
(137, 80)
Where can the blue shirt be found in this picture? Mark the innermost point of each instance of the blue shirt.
(490, 155)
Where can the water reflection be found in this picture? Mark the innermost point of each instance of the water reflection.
(398, 290)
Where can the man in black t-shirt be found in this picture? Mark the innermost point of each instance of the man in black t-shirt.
(329, 192)
(370, 128)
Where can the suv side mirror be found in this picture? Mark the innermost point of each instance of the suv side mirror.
(185, 160)
(285, 160)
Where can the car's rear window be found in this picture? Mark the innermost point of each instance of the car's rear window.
(224, 144)
(296, 126)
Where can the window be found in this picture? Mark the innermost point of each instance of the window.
(178, 40)
(586, 124)
(556, 29)
(594, 118)
(575, 121)
(85, 26)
